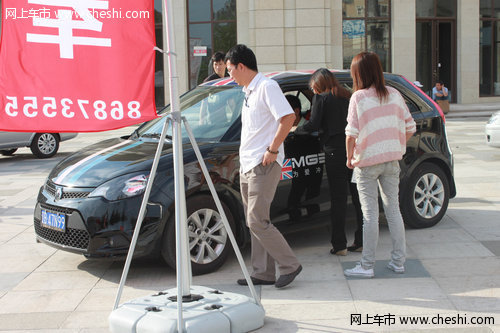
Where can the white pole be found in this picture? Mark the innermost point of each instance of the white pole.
(183, 259)
(182, 256)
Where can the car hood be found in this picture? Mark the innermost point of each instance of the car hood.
(98, 163)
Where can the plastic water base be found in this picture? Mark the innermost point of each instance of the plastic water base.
(216, 312)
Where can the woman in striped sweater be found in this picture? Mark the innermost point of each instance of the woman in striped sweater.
(378, 126)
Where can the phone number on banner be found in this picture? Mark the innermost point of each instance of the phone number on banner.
(99, 110)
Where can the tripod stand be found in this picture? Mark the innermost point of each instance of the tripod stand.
(233, 312)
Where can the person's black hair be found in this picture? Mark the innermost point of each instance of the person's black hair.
(440, 82)
(241, 54)
(294, 102)
(218, 56)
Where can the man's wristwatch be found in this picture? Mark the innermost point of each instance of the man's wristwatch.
(272, 152)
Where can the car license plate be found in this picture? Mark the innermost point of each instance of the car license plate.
(53, 221)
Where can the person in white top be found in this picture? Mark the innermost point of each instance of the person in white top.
(266, 119)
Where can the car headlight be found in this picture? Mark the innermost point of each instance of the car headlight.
(122, 187)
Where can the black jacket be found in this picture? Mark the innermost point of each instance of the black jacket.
(329, 116)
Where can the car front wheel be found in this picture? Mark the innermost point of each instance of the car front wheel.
(209, 243)
(426, 197)
(45, 145)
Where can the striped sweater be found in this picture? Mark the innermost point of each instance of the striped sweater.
(380, 129)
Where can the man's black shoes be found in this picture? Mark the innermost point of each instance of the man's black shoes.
(286, 279)
(255, 281)
(283, 280)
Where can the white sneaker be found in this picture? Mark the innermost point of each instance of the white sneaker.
(396, 269)
(359, 271)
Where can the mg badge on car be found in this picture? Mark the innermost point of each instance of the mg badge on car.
(59, 193)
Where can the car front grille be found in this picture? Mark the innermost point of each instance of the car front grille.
(68, 193)
(74, 238)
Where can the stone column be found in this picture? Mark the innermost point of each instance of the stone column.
(403, 34)
(313, 33)
(336, 47)
(468, 51)
(286, 34)
(268, 30)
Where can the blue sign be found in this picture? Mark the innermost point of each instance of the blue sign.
(353, 28)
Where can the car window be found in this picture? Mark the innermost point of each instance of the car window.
(347, 85)
(305, 102)
(210, 112)
(409, 102)
(411, 106)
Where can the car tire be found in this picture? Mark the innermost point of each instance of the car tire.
(215, 239)
(8, 152)
(426, 197)
(45, 145)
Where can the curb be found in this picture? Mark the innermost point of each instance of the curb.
(472, 110)
(469, 114)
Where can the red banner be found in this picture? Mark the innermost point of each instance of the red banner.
(76, 65)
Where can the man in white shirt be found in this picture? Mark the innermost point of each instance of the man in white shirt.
(266, 119)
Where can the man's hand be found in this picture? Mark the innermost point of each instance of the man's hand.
(286, 123)
(269, 158)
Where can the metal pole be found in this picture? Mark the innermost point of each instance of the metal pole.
(182, 256)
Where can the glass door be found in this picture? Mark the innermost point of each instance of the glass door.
(436, 44)
(436, 54)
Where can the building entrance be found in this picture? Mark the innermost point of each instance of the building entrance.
(436, 47)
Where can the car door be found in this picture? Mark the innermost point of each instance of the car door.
(14, 139)
(302, 194)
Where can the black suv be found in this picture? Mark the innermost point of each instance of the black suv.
(91, 199)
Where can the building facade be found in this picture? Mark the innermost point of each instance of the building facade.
(456, 41)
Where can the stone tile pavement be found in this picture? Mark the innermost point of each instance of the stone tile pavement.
(453, 269)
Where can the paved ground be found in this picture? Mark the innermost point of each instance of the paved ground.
(453, 268)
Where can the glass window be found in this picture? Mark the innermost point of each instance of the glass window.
(436, 8)
(210, 111)
(199, 10)
(489, 34)
(224, 10)
(377, 40)
(445, 8)
(485, 8)
(496, 54)
(353, 8)
(199, 35)
(424, 54)
(366, 33)
(485, 57)
(212, 28)
(377, 8)
(425, 8)
(224, 36)
(353, 39)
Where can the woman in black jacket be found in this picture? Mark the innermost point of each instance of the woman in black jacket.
(329, 116)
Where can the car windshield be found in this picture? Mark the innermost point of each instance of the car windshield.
(209, 110)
